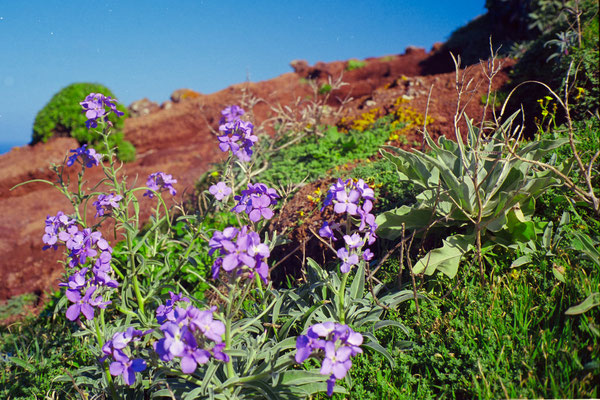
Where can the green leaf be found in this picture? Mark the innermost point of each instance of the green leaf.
(558, 273)
(381, 350)
(523, 260)
(382, 324)
(390, 222)
(593, 300)
(446, 259)
(585, 244)
(21, 363)
(358, 283)
(299, 377)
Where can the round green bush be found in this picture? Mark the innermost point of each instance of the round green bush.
(63, 116)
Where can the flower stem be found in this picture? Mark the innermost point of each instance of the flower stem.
(111, 385)
(342, 298)
(228, 318)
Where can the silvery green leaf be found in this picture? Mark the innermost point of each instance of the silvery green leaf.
(358, 283)
(383, 324)
(586, 245)
(447, 258)
(373, 345)
(523, 260)
(593, 300)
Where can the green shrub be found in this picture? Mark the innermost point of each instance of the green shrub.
(355, 64)
(63, 116)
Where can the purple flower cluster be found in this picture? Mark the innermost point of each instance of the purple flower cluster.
(122, 364)
(356, 200)
(336, 343)
(241, 251)
(158, 182)
(237, 135)
(88, 157)
(94, 107)
(231, 114)
(256, 202)
(86, 247)
(187, 334)
(220, 190)
(166, 311)
(106, 203)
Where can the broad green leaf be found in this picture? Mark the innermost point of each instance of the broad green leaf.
(447, 258)
(390, 222)
(523, 260)
(590, 302)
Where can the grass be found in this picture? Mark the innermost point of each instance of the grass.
(35, 351)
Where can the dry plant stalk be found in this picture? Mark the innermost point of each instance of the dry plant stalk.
(305, 117)
(585, 194)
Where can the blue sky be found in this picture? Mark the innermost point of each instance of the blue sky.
(150, 48)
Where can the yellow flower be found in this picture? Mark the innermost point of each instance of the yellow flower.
(580, 93)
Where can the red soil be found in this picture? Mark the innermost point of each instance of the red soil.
(178, 141)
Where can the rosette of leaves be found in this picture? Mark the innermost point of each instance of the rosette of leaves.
(479, 192)
(62, 116)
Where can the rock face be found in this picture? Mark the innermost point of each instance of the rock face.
(142, 107)
(183, 94)
(179, 140)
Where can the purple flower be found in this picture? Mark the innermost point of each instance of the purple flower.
(126, 367)
(220, 190)
(260, 208)
(231, 113)
(122, 364)
(106, 203)
(326, 230)
(94, 108)
(255, 201)
(241, 251)
(337, 343)
(186, 333)
(159, 181)
(203, 320)
(337, 361)
(88, 157)
(82, 304)
(166, 311)
(354, 241)
(237, 135)
(346, 202)
(348, 260)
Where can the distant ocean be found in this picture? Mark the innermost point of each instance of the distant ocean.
(5, 147)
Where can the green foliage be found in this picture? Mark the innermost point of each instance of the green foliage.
(325, 88)
(478, 189)
(16, 305)
(36, 350)
(314, 156)
(355, 64)
(62, 116)
(381, 176)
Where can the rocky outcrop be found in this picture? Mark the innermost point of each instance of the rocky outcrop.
(142, 107)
